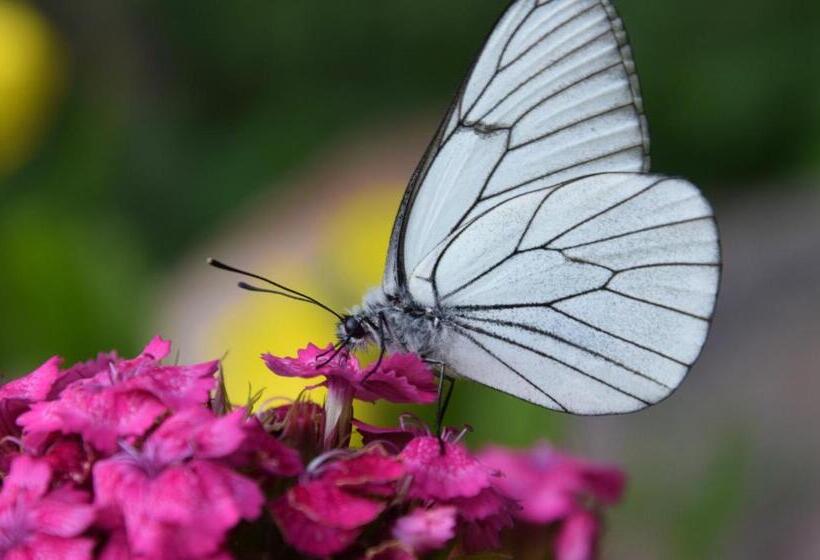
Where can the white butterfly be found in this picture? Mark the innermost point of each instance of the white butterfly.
(533, 252)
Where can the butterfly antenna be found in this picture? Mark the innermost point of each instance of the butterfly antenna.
(281, 291)
(250, 288)
(324, 353)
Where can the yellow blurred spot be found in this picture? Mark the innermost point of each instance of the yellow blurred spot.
(30, 78)
(354, 246)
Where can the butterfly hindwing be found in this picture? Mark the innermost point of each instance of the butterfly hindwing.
(590, 307)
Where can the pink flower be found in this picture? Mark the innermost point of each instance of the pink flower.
(399, 378)
(262, 450)
(17, 395)
(176, 497)
(306, 534)
(36, 385)
(446, 472)
(549, 485)
(483, 517)
(325, 515)
(36, 523)
(577, 539)
(396, 438)
(424, 529)
(122, 399)
(442, 470)
(371, 472)
(69, 459)
(82, 370)
(299, 425)
(556, 488)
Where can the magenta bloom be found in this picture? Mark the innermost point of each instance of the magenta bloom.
(122, 399)
(400, 378)
(372, 472)
(69, 459)
(552, 487)
(394, 437)
(175, 497)
(178, 473)
(424, 529)
(265, 452)
(36, 385)
(36, 523)
(442, 476)
(578, 537)
(17, 395)
(299, 425)
(450, 475)
(483, 517)
(325, 515)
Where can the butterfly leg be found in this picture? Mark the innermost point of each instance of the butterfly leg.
(444, 396)
(382, 345)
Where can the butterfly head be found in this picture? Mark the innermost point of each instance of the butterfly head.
(353, 329)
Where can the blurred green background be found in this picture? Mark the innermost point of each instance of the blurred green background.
(131, 131)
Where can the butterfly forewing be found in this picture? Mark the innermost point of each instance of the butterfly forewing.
(552, 96)
(568, 276)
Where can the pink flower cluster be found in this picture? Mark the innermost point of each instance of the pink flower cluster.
(132, 459)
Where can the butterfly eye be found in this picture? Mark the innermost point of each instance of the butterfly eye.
(353, 327)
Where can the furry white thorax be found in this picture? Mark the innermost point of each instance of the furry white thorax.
(407, 326)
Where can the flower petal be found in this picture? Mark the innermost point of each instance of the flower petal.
(392, 437)
(186, 508)
(604, 482)
(47, 546)
(551, 485)
(308, 536)
(27, 476)
(372, 467)
(426, 529)
(265, 451)
(312, 361)
(176, 386)
(227, 491)
(83, 370)
(400, 378)
(577, 539)
(486, 503)
(63, 514)
(324, 503)
(197, 432)
(442, 470)
(68, 459)
(99, 415)
(484, 534)
(36, 385)
(157, 349)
